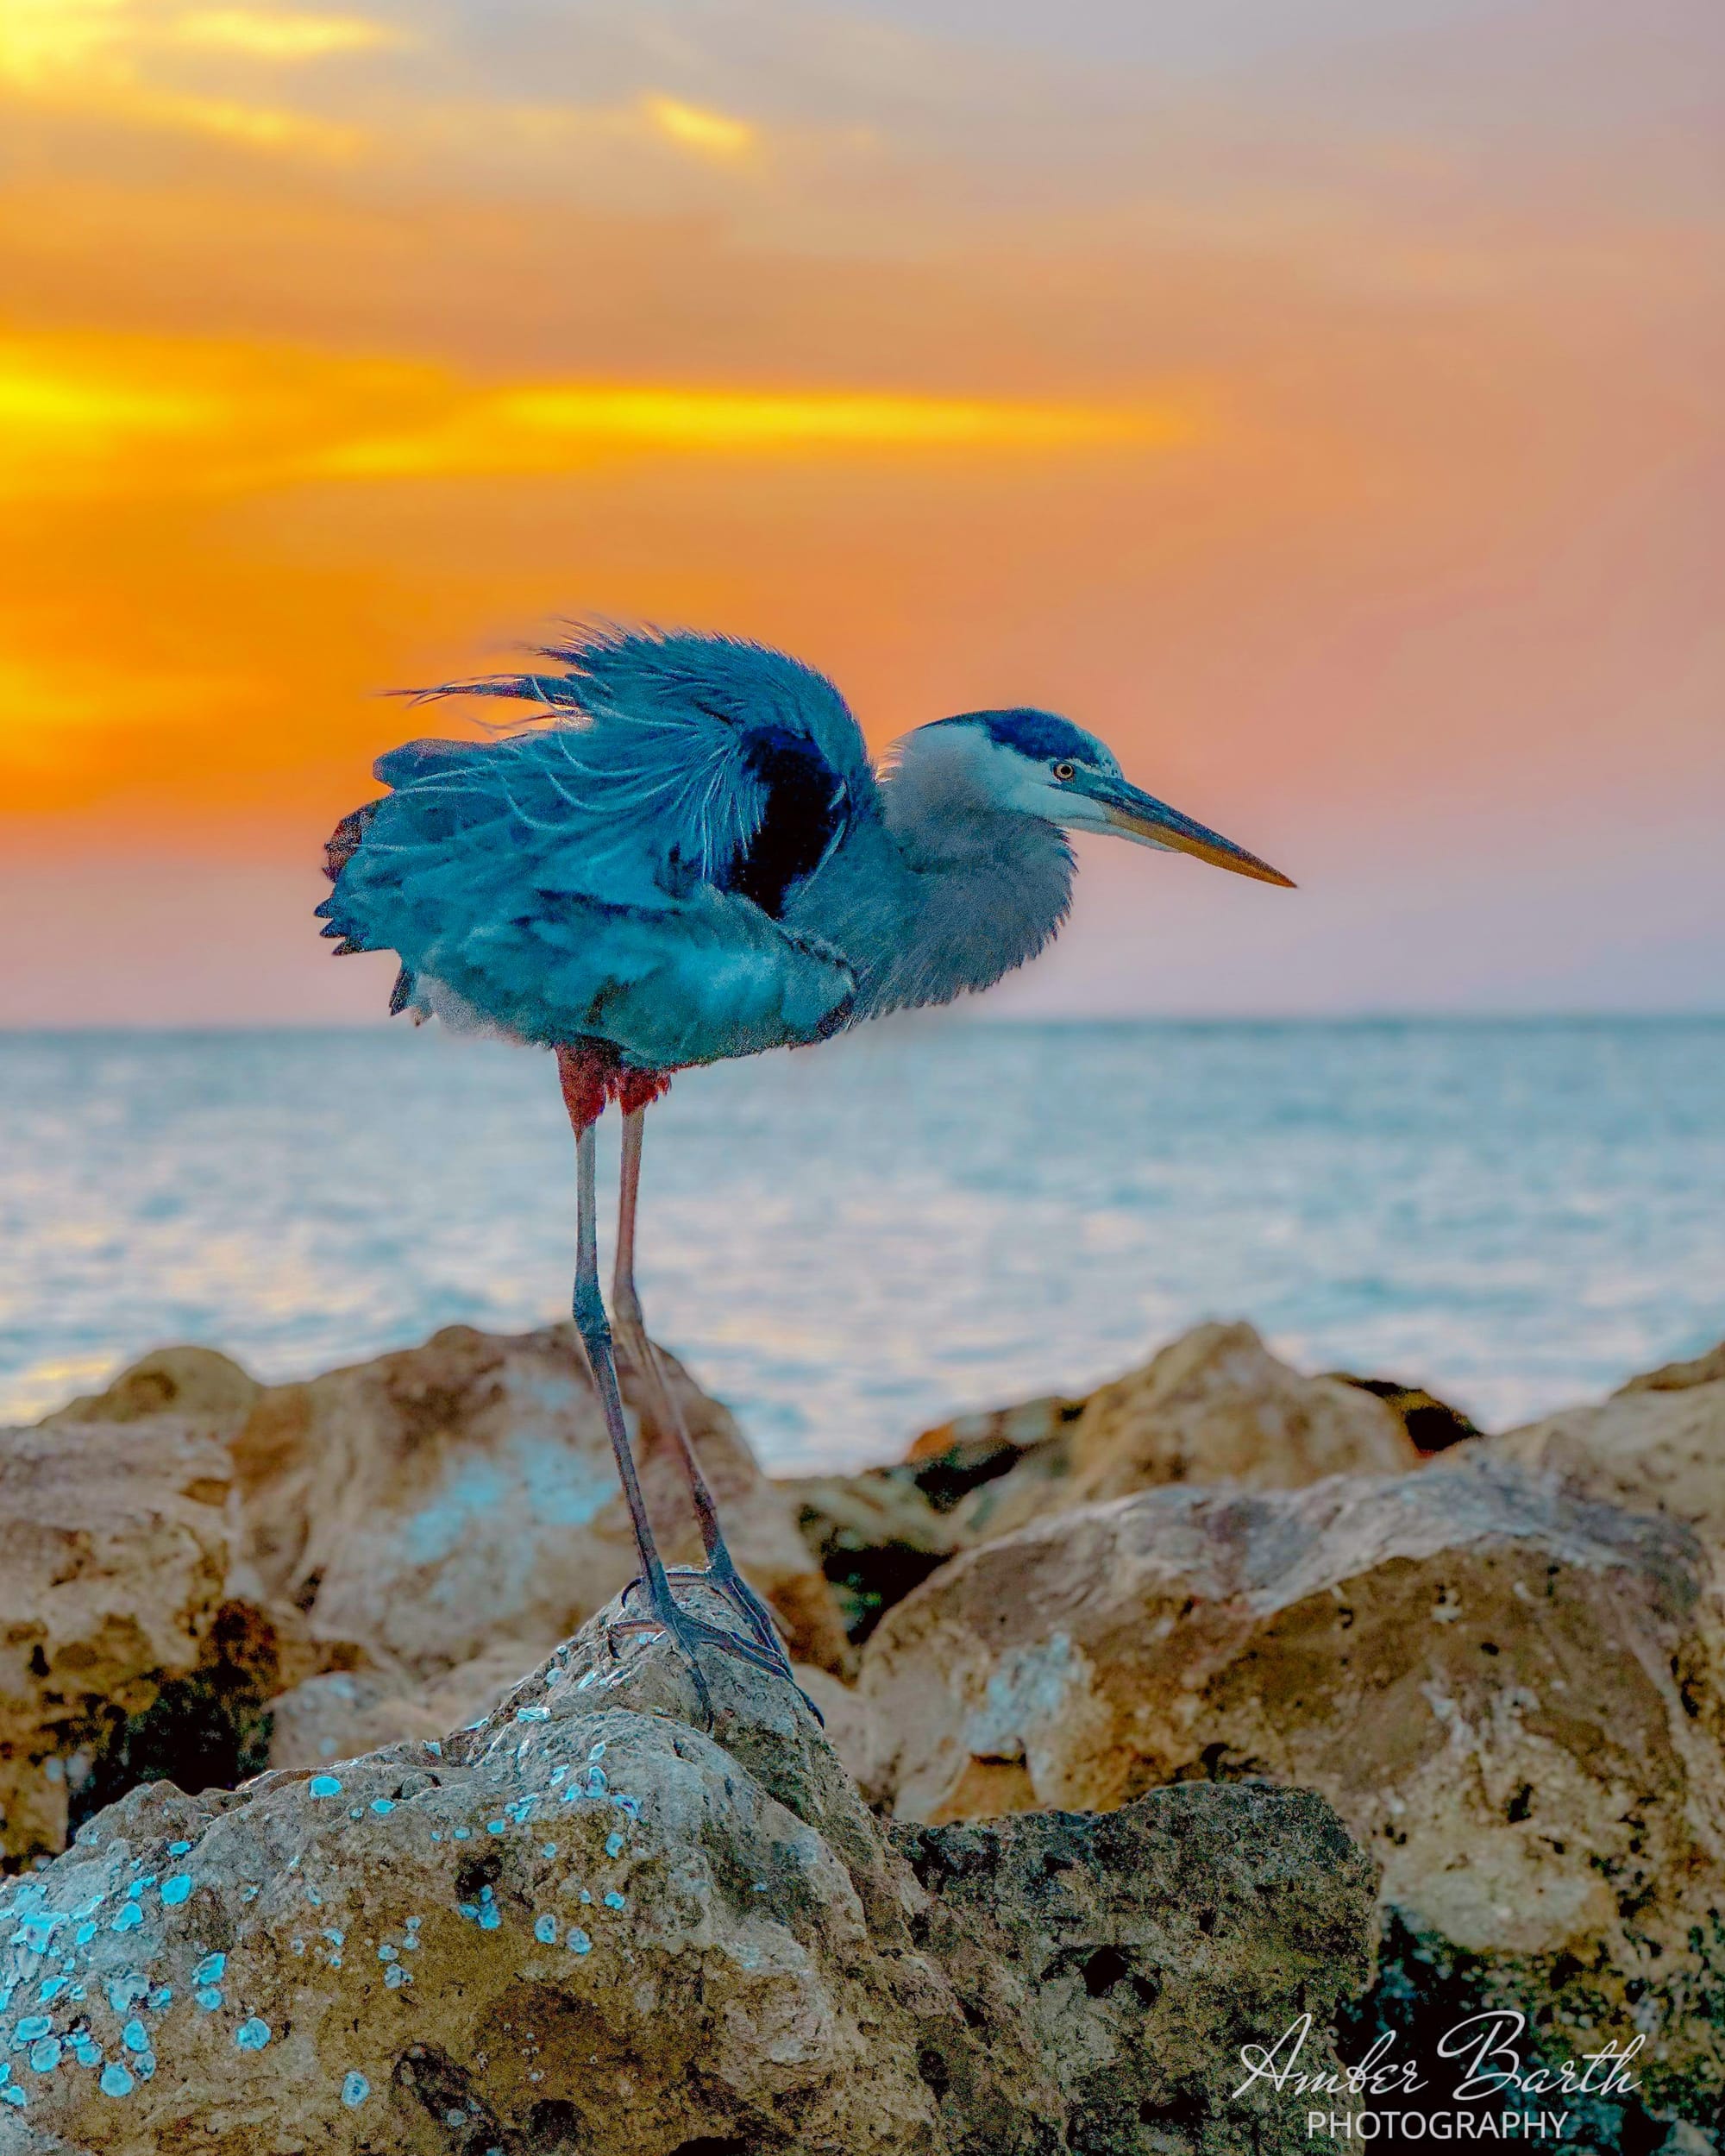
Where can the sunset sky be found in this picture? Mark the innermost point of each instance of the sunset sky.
(1319, 398)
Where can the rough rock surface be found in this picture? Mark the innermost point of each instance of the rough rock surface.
(433, 1502)
(344, 1712)
(955, 1457)
(113, 1556)
(1016, 1427)
(588, 1925)
(1510, 1695)
(1658, 1443)
(1213, 1406)
(340, 1713)
(879, 1533)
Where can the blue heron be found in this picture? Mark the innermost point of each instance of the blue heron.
(685, 854)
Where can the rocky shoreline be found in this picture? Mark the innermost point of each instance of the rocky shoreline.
(1155, 1721)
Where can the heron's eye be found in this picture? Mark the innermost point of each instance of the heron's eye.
(1064, 771)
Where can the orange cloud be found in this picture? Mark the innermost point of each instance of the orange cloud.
(111, 416)
(102, 60)
(692, 127)
(281, 36)
(563, 427)
(42, 41)
(54, 714)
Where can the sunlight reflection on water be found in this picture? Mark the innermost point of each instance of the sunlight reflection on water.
(851, 1243)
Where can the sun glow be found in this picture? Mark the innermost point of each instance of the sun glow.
(69, 425)
(93, 414)
(42, 39)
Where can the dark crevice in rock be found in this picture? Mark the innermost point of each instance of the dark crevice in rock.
(1431, 1424)
(554, 2125)
(1184, 2114)
(869, 1582)
(934, 2069)
(447, 2092)
(474, 1872)
(945, 1477)
(207, 1731)
(1103, 1971)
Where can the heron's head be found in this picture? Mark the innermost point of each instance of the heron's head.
(1036, 763)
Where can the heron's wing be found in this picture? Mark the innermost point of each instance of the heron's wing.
(618, 869)
(663, 761)
(712, 977)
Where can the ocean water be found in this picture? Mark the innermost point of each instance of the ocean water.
(850, 1244)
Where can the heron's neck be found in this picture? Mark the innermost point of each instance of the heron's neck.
(938, 898)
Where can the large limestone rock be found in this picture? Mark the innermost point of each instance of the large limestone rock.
(435, 1502)
(590, 1925)
(1658, 1443)
(113, 1560)
(1510, 1695)
(1213, 1406)
(202, 1388)
(1680, 1377)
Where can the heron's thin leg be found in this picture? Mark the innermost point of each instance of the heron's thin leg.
(632, 1331)
(666, 1412)
(595, 1332)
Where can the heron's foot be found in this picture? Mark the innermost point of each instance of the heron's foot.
(689, 1632)
(724, 1579)
(685, 1634)
(720, 1575)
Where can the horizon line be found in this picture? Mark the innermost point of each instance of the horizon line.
(925, 1022)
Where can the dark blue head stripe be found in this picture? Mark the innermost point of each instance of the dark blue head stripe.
(1042, 735)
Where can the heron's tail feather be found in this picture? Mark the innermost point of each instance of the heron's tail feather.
(345, 841)
(343, 844)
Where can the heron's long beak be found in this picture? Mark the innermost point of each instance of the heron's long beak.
(1151, 822)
